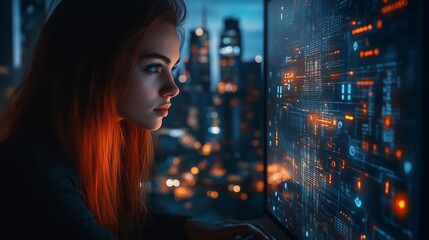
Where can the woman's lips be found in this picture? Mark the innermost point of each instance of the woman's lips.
(162, 112)
(163, 109)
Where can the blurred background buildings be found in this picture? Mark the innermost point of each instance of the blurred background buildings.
(209, 162)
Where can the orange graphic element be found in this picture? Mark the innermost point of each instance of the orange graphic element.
(386, 150)
(349, 117)
(333, 53)
(400, 205)
(277, 138)
(379, 23)
(394, 6)
(387, 121)
(365, 83)
(321, 121)
(324, 121)
(386, 187)
(364, 108)
(362, 29)
(398, 154)
(365, 146)
(359, 183)
(288, 75)
(369, 53)
(374, 148)
(345, 215)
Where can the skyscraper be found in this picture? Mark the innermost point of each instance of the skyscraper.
(199, 60)
(251, 122)
(229, 92)
(198, 81)
(230, 51)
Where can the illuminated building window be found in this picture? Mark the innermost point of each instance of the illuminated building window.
(203, 59)
(237, 50)
(199, 32)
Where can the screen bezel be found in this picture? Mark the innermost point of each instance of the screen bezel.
(289, 233)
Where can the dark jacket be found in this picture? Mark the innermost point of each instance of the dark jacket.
(41, 197)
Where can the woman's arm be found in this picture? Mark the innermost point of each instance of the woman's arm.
(165, 226)
(198, 229)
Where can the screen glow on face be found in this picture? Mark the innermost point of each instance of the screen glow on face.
(148, 97)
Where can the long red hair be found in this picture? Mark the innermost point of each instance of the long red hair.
(70, 92)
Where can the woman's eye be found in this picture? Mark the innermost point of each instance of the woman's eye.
(153, 68)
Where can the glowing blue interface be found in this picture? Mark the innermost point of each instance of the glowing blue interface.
(343, 115)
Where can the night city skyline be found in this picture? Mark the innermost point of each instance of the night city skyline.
(250, 19)
(211, 142)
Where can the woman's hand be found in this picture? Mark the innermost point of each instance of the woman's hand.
(223, 230)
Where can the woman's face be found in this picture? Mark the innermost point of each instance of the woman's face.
(147, 98)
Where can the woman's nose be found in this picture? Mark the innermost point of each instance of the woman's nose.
(169, 88)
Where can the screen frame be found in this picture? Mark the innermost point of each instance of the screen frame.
(272, 218)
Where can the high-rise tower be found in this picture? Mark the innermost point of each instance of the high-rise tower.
(198, 80)
(229, 92)
(230, 51)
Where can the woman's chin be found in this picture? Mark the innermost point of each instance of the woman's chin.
(153, 127)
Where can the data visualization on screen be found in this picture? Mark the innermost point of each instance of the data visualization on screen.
(343, 117)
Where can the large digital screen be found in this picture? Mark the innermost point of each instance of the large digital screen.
(343, 118)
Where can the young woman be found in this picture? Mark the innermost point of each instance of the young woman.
(75, 138)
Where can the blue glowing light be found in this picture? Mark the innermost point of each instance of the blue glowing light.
(355, 46)
(214, 130)
(358, 202)
(306, 233)
(407, 167)
(352, 151)
(340, 124)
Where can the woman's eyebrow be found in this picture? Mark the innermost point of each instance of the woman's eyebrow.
(159, 56)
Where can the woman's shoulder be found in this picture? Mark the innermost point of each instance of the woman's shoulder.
(41, 191)
(30, 143)
(33, 151)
